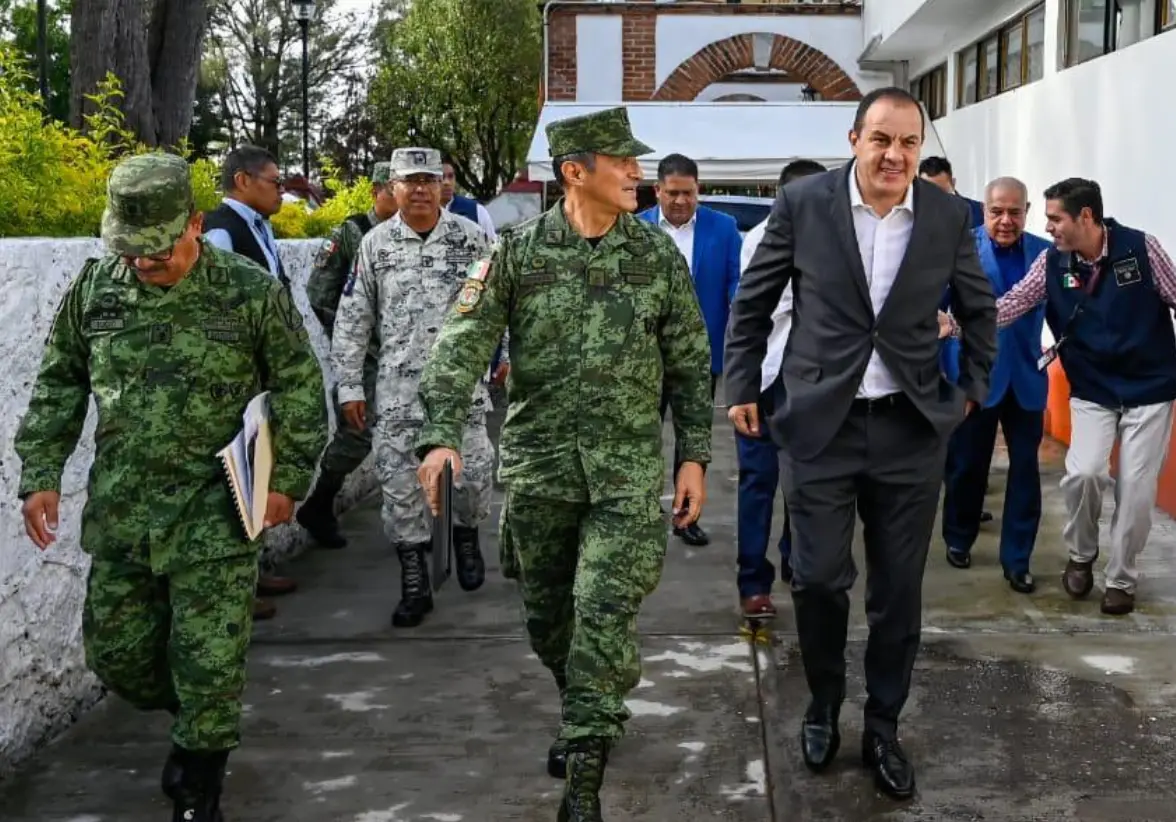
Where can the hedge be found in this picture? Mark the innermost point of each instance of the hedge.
(53, 177)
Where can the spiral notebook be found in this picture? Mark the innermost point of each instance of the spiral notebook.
(248, 462)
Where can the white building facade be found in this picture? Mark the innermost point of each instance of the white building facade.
(1043, 91)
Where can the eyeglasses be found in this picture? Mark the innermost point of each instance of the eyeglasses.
(419, 182)
(275, 181)
(161, 257)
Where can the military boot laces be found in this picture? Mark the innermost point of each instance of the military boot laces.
(416, 596)
(471, 568)
(581, 800)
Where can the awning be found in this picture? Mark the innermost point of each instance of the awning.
(733, 143)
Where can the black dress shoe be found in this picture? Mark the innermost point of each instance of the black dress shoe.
(959, 559)
(893, 773)
(692, 535)
(1021, 582)
(986, 516)
(819, 738)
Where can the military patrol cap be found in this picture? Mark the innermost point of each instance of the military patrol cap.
(381, 172)
(603, 132)
(148, 204)
(409, 161)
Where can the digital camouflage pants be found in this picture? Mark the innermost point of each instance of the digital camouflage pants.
(405, 511)
(176, 642)
(584, 570)
(349, 446)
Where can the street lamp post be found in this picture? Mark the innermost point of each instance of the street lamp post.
(43, 52)
(304, 13)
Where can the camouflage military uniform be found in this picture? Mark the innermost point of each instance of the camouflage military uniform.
(593, 332)
(401, 289)
(168, 610)
(349, 446)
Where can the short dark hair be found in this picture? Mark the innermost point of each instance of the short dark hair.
(934, 166)
(678, 165)
(888, 93)
(585, 158)
(1076, 194)
(800, 168)
(248, 159)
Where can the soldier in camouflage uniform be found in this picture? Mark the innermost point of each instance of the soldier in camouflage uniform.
(350, 446)
(406, 276)
(600, 307)
(172, 337)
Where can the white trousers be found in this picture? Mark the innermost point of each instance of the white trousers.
(1143, 434)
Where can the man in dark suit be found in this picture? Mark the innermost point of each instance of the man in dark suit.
(865, 415)
(710, 242)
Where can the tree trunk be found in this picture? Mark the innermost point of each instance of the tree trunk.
(177, 36)
(111, 35)
(153, 47)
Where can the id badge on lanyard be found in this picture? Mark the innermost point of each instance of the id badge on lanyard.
(1070, 281)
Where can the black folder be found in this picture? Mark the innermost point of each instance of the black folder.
(443, 531)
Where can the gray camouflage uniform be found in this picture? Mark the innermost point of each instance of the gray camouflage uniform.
(401, 289)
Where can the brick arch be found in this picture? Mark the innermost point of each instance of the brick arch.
(716, 61)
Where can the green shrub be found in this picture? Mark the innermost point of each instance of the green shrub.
(53, 177)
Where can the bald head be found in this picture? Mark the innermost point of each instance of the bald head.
(1006, 205)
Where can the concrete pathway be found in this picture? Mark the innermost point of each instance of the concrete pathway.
(1023, 708)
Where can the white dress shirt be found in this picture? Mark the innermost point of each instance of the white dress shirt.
(882, 242)
(683, 235)
(781, 315)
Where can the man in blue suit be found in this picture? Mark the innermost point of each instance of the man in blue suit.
(710, 242)
(1016, 400)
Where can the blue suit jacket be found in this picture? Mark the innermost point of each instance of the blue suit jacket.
(1019, 344)
(715, 267)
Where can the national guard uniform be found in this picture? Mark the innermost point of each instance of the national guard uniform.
(398, 293)
(350, 446)
(594, 329)
(168, 609)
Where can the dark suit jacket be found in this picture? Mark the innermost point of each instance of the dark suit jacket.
(810, 242)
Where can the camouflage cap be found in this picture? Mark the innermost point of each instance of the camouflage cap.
(409, 161)
(381, 172)
(148, 204)
(603, 132)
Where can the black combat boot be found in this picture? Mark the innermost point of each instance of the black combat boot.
(581, 799)
(317, 514)
(471, 568)
(416, 595)
(557, 754)
(197, 795)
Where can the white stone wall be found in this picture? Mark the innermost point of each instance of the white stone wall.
(43, 679)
